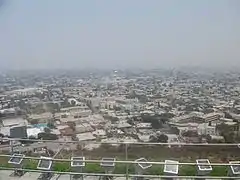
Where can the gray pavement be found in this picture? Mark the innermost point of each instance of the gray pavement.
(29, 176)
(5, 175)
(64, 177)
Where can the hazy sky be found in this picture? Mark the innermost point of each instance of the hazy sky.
(119, 33)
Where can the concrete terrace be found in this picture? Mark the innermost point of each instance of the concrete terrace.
(6, 174)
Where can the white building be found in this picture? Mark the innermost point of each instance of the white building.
(34, 132)
(204, 129)
(85, 136)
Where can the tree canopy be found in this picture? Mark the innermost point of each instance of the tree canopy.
(161, 138)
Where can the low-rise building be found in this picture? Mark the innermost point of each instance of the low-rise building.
(84, 127)
(85, 136)
(14, 122)
(143, 125)
(99, 133)
(33, 132)
(205, 129)
(41, 118)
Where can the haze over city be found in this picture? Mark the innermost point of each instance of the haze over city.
(119, 34)
(119, 89)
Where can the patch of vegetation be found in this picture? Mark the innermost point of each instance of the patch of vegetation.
(186, 170)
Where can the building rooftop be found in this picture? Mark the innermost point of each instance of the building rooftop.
(14, 122)
(85, 136)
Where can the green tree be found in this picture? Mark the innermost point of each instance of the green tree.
(73, 102)
(175, 130)
(130, 121)
(161, 138)
(190, 134)
(50, 125)
(47, 130)
(156, 124)
(47, 136)
(34, 121)
(227, 132)
(32, 137)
